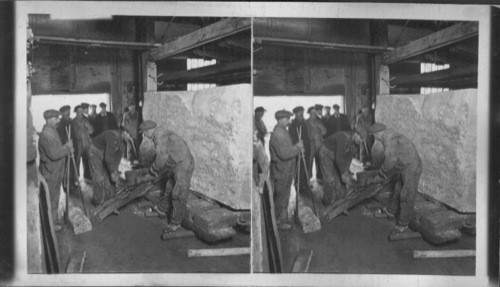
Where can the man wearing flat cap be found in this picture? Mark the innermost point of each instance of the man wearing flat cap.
(175, 163)
(316, 130)
(92, 117)
(401, 171)
(336, 155)
(64, 123)
(81, 129)
(105, 154)
(319, 111)
(365, 120)
(327, 114)
(130, 124)
(283, 159)
(298, 127)
(52, 160)
(259, 124)
(104, 120)
(85, 107)
(337, 122)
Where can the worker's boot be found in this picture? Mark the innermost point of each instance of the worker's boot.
(171, 228)
(398, 229)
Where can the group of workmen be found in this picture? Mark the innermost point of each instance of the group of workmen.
(331, 143)
(99, 142)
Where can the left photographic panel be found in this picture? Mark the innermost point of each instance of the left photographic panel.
(139, 144)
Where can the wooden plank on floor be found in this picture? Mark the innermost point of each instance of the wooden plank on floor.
(444, 253)
(75, 262)
(218, 252)
(444, 37)
(302, 262)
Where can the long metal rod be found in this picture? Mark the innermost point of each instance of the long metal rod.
(323, 45)
(95, 43)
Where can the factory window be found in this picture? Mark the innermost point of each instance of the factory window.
(194, 63)
(199, 86)
(430, 90)
(431, 67)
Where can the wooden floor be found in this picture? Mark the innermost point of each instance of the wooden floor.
(357, 243)
(130, 242)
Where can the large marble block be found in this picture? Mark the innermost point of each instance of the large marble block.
(216, 124)
(443, 128)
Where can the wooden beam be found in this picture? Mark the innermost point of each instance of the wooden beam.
(445, 37)
(218, 252)
(190, 75)
(210, 33)
(442, 76)
(322, 45)
(95, 43)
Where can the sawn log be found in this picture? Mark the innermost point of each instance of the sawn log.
(356, 196)
(123, 196)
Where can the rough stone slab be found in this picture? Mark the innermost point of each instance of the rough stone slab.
(308, 221)
(442, 220)
(443, 128)
(219, 217)
(78, 220)
(216, 125)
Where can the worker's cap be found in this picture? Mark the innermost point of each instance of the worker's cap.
(147, 125)
(318, 107)
(336, 107)
(102, 105)
(376, 127)
(77, 107)
(327, 107)
(93, 106)
(260, 110)
(365, 106)
(282, 114)
(84, 105)
(362, 131)
(64, 108)
(298, 109)
(131, 103)
(310, 109)
(50, 114)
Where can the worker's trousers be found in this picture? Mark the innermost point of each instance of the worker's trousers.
(132, 147)
(333, 189)
(101, 184)
(303, 178)
(54, 178)
(405, 188)
(81, 155)
(282, 177)
(316, 158)
(178, 196)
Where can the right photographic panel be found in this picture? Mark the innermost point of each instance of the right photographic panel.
(364, 146)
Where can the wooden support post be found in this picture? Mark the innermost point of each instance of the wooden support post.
(218, 252)
(151, 85)
(443, 253)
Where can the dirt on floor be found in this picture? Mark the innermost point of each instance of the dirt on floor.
(130, 242)
(357, 243)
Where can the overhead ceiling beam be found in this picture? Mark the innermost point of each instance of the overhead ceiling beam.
(445, 37)
(200, 37)
(195, 74)
(94, 43)
(441, 77)
(322, 45)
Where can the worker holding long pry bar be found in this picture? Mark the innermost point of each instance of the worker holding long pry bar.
(175, 162)
(401, 169)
